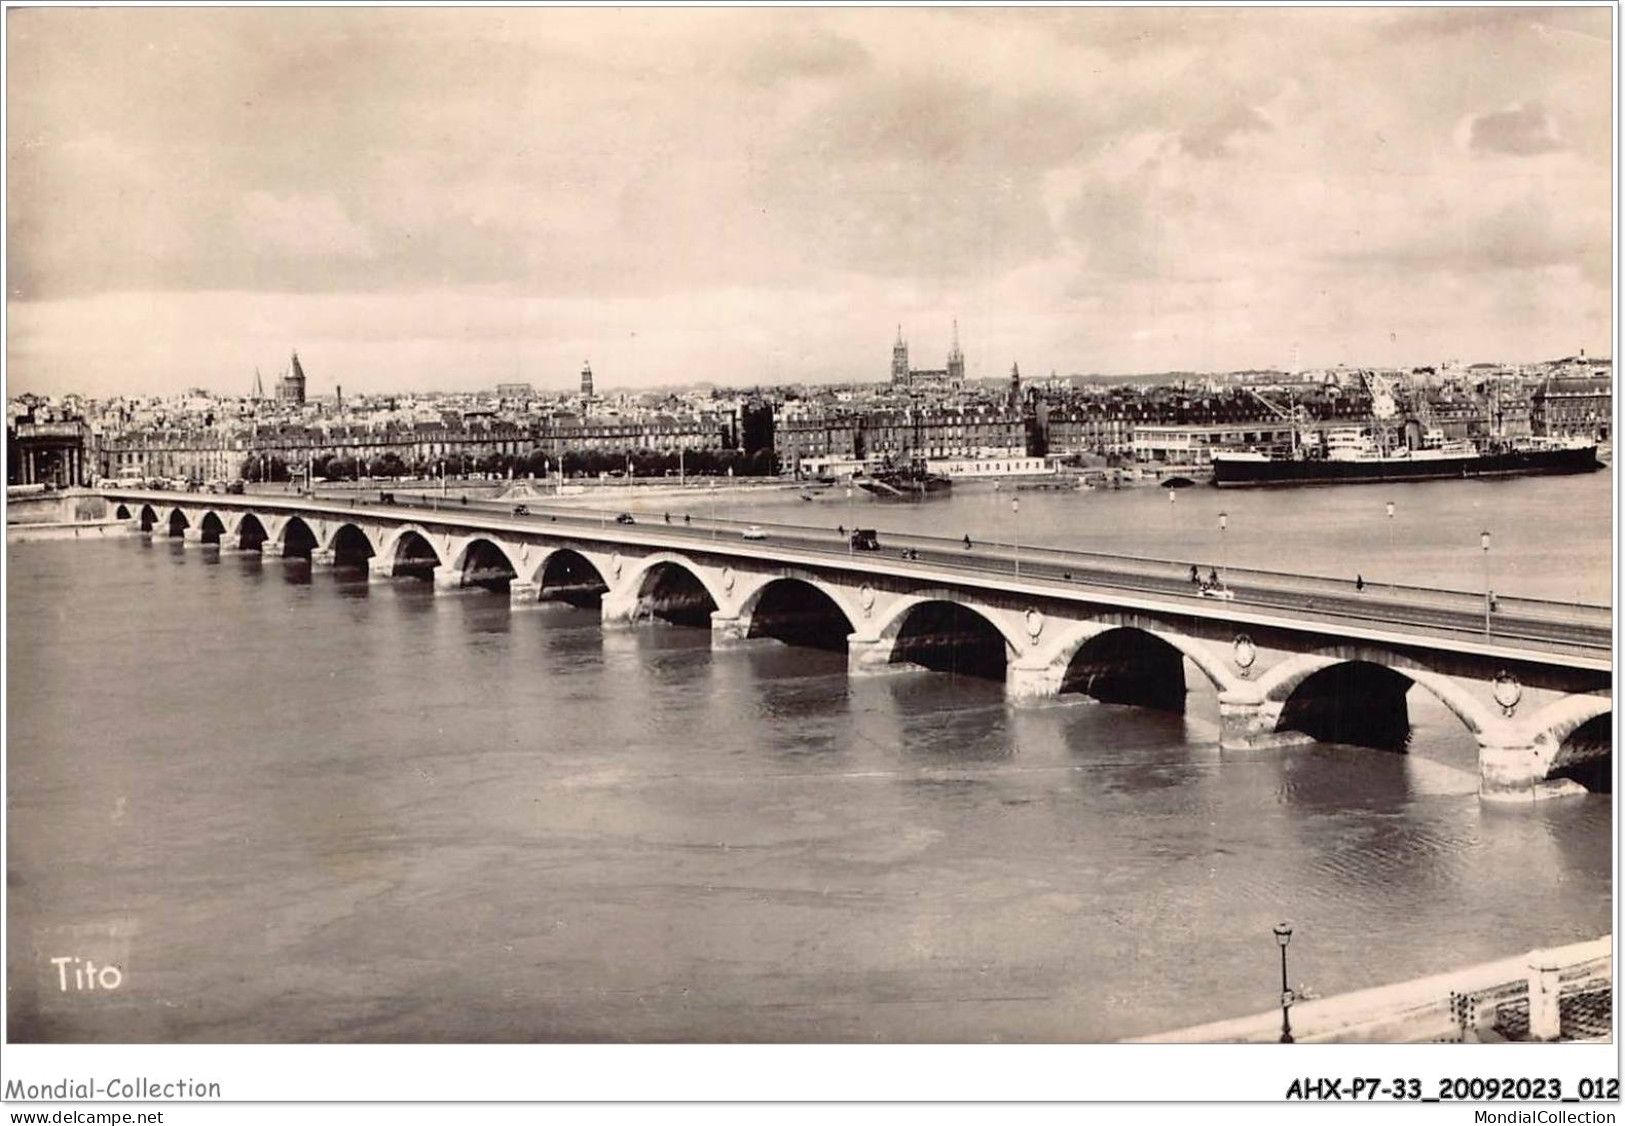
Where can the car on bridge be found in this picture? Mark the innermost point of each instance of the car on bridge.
(754, 533)
(864, 539)
(520, 510)
(625, 518)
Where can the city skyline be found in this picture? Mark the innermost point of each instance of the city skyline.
(449, 200)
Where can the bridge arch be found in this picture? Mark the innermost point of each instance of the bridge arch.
(1357, 695)
(797, 611)
(1585, 754)
(567, 575)
(637, 580)
(248, 529)
(1073, 636)
(411, 551)
(1561, 718)
(122, 512)
(483, 561)
(674, 590)
(351, 545)
(1127, 664)
(149, 517)
(291, 537)
(212, 528)
(411, 546)
(176, 523)
(949, 634)
(891, 621)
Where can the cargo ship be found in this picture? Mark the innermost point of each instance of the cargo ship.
(1514, 459)
(1397, 444)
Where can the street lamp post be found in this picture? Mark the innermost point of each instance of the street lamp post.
(1489, 595)
(1392, 584)
(1015, 509)
(1224, 556)
(849, 528)
(1283, 935)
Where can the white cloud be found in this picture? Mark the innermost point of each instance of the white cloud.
(1094, 189)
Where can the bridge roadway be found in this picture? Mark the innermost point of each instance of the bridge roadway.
(1575, 633)
(1578, 628)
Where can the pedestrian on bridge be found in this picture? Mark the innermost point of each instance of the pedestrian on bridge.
(1359, 582)
(967, 542)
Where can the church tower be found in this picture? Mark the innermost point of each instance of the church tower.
(899, 359)
(290, 389)
(586, 381)
(1015, 386)
(956, 359)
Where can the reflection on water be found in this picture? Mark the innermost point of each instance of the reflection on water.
(305, 807)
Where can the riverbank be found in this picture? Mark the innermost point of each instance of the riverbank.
(587, 492)
(1562, 993)
(67, 530)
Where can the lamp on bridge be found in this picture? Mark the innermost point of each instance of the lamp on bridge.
(1224, 558)
(1015, 509)
(1489, 596)
(1283, 935)
(849, 527)
(1394, 586)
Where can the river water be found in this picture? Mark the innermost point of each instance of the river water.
(297, 808)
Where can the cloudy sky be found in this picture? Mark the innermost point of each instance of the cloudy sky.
(448, 199)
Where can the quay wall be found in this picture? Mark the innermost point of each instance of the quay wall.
(69, 530)
(66, 507)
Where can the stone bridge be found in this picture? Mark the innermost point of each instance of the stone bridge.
(1289, 659)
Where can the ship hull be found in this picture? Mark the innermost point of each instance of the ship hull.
(1228, 474)
(905, 487)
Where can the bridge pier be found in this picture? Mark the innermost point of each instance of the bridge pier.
(1518, 773)
(726, 629)
(322, 558)
(522, 593)
(1031, 683)
(447, 579)
(380, 570)
(192, 537)
(619, 611)
(868, 655)
(1247, 723)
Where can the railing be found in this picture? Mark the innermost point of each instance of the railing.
(1476, 1003)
